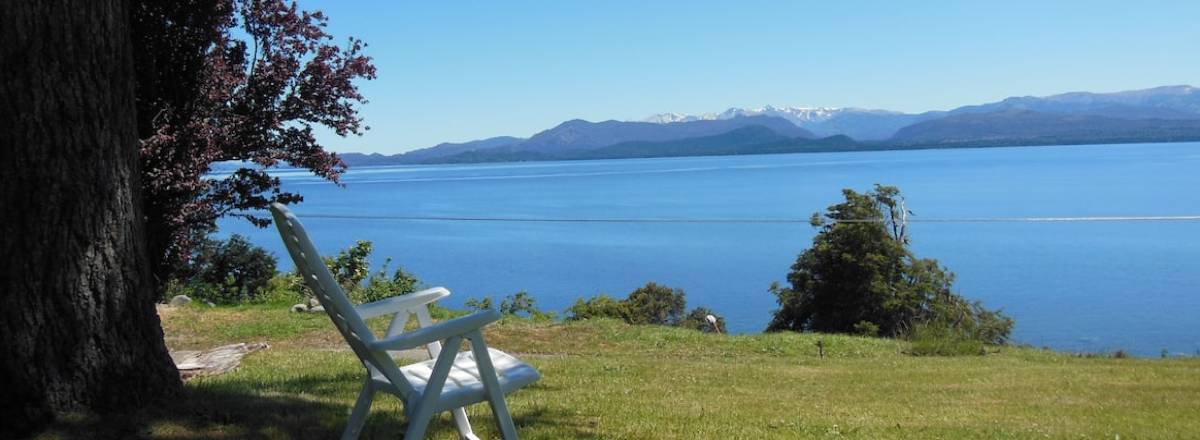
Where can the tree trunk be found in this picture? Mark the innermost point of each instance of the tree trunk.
(78, 327)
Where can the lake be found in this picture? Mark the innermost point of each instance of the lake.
(1083, 286)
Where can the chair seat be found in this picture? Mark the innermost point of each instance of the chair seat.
(463, 386)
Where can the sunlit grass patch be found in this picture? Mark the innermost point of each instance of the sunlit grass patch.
(607, 379)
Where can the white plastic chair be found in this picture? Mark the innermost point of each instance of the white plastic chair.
(447, 382)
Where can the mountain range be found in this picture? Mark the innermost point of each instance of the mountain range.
(1161, 114)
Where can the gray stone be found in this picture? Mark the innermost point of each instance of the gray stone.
(180, 300)
(210, 304)
(317, 309)
(299, 308)
(313, 302)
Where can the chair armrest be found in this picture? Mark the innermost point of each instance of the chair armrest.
(397, 303)
(437, 332)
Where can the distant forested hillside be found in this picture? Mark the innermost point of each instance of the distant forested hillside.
(1161, 114)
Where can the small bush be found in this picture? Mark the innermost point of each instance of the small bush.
(697, 319)
(599, 306)
(225, 272)
(380, 285)
(866, 328)
(522, 304)
(441, 313)
(650, 304)
(351, 269)
(931, 339)
(518, 303)
(477, 304)
(655, 304)
(283, 288)
(175, 288)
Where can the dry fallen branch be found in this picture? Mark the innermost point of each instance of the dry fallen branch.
(216, 361)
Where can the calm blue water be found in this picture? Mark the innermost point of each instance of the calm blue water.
(1075, 286)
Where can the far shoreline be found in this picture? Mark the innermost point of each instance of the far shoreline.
(831, 150)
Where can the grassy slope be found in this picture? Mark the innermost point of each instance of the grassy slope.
(608, 380)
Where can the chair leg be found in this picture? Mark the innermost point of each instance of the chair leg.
(463, 425)
(362, 408)
(417, 424)
(419, 420)
(491, 386)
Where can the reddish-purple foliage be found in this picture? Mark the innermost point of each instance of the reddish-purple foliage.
(234, 80)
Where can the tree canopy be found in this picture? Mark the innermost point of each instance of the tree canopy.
(246, 81)
(859, 276)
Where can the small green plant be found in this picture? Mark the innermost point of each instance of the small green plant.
(380, 285)
(351, 269)
(176, 287)
(522, 304)
(866, 328)
(936, 339)
(284, 288)
(484, 303)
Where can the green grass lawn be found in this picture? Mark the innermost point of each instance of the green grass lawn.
(605, 379)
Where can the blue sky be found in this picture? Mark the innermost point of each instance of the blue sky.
(458, 71)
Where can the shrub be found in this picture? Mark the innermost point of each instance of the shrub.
(351, 269)
(518, 303)
(938, 339)
(484, 303)
(698, 319)
(599, 306)
(225, 271)
(380, 285)
(866, 328)
(175, 287)
(283, 288)
(522, 304)
(655, 304)
(650, 304)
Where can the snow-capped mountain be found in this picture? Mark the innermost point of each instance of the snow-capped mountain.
(670, 118)
(823, 121)
(798, 115)
(1167, 102)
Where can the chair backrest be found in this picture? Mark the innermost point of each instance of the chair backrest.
(339, 308)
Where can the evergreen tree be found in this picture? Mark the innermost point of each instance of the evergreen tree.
(860, 277)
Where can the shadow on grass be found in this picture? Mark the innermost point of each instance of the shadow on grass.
(557, 421)
(218, 412)
(295, 408)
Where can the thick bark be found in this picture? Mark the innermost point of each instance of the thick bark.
(78, 327)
